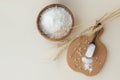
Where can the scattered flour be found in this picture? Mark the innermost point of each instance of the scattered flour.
(55, 19)
(87, 64)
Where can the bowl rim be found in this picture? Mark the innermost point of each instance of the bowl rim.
(38, 20)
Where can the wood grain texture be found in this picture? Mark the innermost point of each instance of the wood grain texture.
(74, 58)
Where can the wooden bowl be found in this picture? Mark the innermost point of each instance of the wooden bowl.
(38, 22)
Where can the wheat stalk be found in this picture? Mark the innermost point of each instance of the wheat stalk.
(89, 31)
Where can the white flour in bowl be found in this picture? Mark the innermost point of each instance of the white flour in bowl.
(55, 19)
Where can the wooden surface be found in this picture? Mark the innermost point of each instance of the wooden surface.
(77, 50)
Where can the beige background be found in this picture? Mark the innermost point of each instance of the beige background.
(25, 54)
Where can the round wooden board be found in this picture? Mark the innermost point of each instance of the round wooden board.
(74, 56)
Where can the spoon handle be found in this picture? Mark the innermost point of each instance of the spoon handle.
(96, 33)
